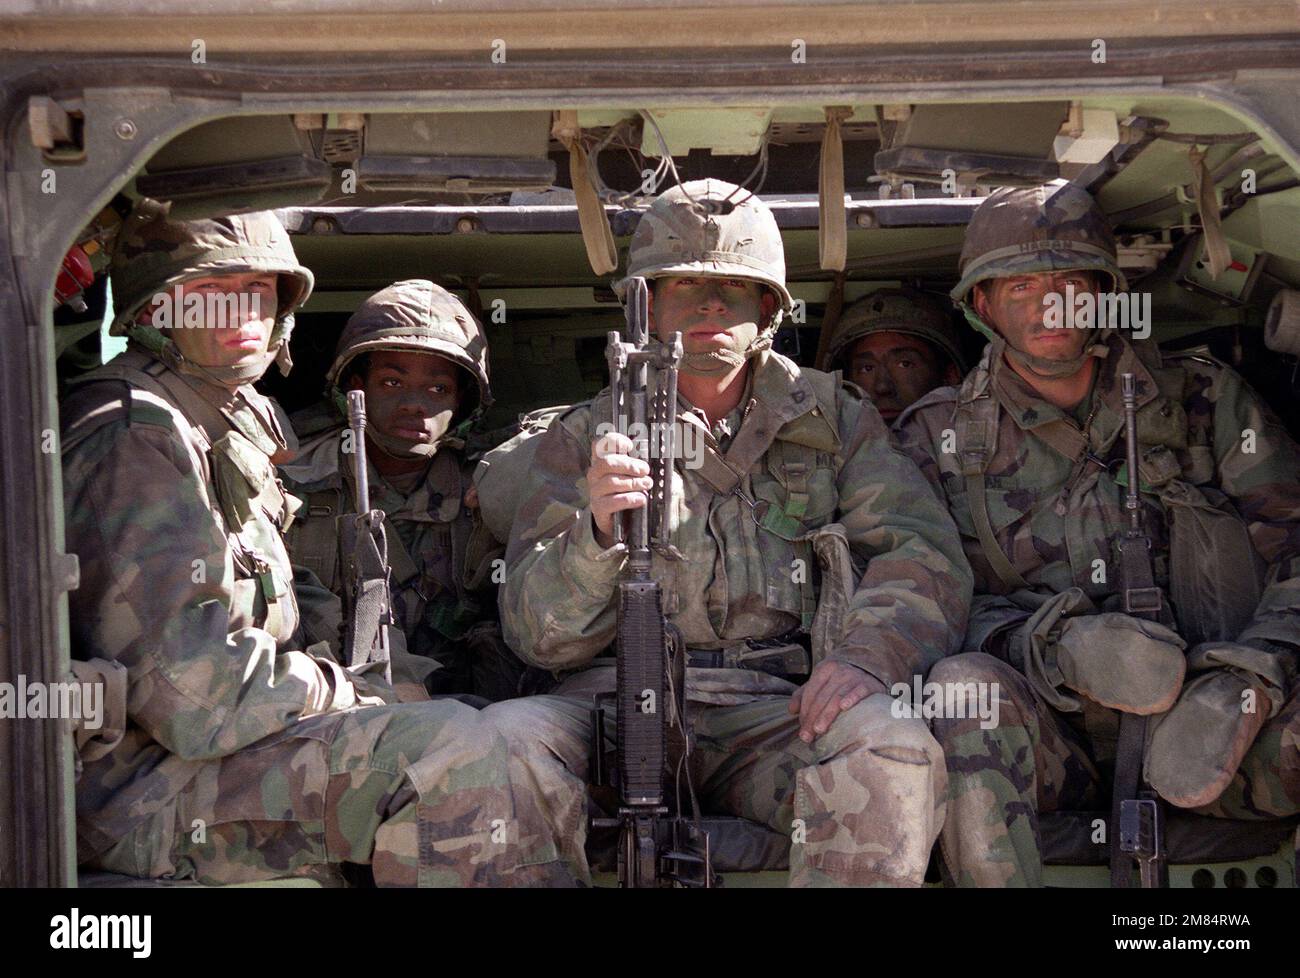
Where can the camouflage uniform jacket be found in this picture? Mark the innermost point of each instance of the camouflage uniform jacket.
(738, 581)
(429, 533)
(1057, 531)
(175, 513)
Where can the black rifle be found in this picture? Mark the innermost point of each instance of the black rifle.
(363, 550)
(1135, 808)
(655, 848)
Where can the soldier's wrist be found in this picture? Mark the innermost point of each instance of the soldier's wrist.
(604, 539)
(596, 561)
(866, 670)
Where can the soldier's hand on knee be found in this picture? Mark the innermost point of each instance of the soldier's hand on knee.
(617, 480)
(832, 688)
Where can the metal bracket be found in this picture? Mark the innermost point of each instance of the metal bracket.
(56, 132)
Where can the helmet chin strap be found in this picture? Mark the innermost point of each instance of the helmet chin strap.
(1051, 369)
(711, 363)
(724, 361)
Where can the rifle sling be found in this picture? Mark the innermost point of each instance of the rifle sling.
(1069, 442)
(1128, 776)
(724, 473)
(979, 512)
(370, 553)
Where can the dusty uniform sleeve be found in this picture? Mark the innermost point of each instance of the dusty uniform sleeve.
(557, 603)
(158, 585)
(1258, 465)
(911, 605)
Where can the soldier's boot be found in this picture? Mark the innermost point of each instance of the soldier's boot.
(868, 813)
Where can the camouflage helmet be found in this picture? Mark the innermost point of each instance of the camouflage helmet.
(153, 254)
(1057, 227)
(711, 228)
(418, 316)
(896, 311)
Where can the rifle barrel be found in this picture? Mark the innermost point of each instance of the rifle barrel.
(1132, 501)
(357, 422)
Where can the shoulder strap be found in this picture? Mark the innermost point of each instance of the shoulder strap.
(313, 537)
(977, 437)
(122, 391)
(400, 562)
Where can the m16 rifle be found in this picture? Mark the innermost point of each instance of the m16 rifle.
(1135, 808)
(655, 848)
(363, 550)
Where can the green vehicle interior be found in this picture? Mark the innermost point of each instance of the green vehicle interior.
(474, 189)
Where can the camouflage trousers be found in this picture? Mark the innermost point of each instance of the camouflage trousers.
(862, 804)
(427, 794)
(1036, 761)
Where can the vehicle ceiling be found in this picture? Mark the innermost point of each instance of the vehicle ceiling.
(514, 239)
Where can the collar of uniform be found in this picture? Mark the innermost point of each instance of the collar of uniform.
(688, 413)
(1124, 358)
(1030, 411)
(779, 383)
(264, 422)
(775, 388)
(1018, 399)
(435, 499)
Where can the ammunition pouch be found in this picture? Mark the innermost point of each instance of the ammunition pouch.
(1215, 574)
(1197, 747)
(1254, 666)
(1124, 663)
(1112, 659)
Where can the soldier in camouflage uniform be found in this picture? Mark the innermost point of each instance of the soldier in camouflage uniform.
(501, 475)
(248, 752)
(897, 345)
(814, 481)
(422, 360)
(1029, 453)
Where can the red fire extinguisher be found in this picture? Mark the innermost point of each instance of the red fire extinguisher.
(75, 277)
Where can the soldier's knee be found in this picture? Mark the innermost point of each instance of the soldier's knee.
(877, 726)
(559, 725)
(399, 734)
(969, 667)
(973, 693)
